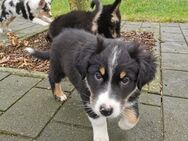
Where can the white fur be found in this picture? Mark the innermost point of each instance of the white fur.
(63, 97)
(1, 30)
(39, 21)
(29, 50)
(100, 131)
(104, 99)
(34, 6)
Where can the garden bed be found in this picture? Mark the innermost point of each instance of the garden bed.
(14, 56)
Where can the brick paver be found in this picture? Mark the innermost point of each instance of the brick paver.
(28, 110)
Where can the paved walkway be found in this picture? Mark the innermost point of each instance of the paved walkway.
(28, 111)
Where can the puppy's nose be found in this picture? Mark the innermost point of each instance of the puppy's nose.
(106, 111)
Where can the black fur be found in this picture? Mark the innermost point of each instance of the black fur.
(106, 26)
(75, 19)
(78, 54)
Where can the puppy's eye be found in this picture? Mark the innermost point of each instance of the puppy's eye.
(98, 76)
(125, 81)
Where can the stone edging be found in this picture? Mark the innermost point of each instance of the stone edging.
(22, 72)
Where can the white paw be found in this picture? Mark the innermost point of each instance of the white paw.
(63, 97)
(103, 138)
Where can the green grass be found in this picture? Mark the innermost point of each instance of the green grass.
(141, 10)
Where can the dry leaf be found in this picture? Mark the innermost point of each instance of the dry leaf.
(4, 59)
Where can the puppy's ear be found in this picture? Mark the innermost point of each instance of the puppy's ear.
(100, 44)
(82, 63)
(146, 62)
(42, 3)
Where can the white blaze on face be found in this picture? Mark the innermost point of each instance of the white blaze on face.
(106, 97)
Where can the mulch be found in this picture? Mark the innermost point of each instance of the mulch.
(14, 56)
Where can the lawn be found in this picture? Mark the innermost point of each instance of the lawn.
(141, 10)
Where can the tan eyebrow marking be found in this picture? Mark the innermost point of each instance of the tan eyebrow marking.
(102, 70)
(123, 74)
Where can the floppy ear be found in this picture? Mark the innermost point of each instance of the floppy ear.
(146, 62)
(82, 63)
(42, 3)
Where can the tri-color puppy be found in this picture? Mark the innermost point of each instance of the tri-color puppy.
(110, 20)
(109, 75)
(38, 11)
(79, 19)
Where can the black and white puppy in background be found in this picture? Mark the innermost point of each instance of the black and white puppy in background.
(86, 20)
(38, 11)
(109, 75)
(109, 22)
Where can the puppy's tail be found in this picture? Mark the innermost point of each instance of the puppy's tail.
(44, 55)
(99, 7)
(115, 5)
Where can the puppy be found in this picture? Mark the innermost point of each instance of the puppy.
(110, 20)
(76, 19)
(109, 75)
(38, 11)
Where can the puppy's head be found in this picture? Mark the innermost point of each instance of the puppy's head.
(45, 8)
(114, 73)
(110, 21)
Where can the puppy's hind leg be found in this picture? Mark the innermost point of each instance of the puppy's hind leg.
(55, 76)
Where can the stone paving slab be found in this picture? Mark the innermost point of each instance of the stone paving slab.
(154, 86)
(184, 25)
(175, 83)
(150, 25)
(172, 37)
(169, 24)
(175, 119)
(175, 30)
(66, 85)
(30, 114)
(175, 61)
(185, 32)
(60, 132)
(77, 115)
(151, 99)
(3, 75)
(12, 138)
(13, 87)
(149, 128)
(174, 47)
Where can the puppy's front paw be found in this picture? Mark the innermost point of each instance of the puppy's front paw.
(61, 98)
(127, 123)
(101, 138)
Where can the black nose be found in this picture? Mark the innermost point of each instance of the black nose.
(106, 111)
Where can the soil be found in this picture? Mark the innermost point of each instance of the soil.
(14, 56)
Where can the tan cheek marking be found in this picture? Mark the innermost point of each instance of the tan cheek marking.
(102, 70)
(114, 18)
(122, 75)
(131, 116)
